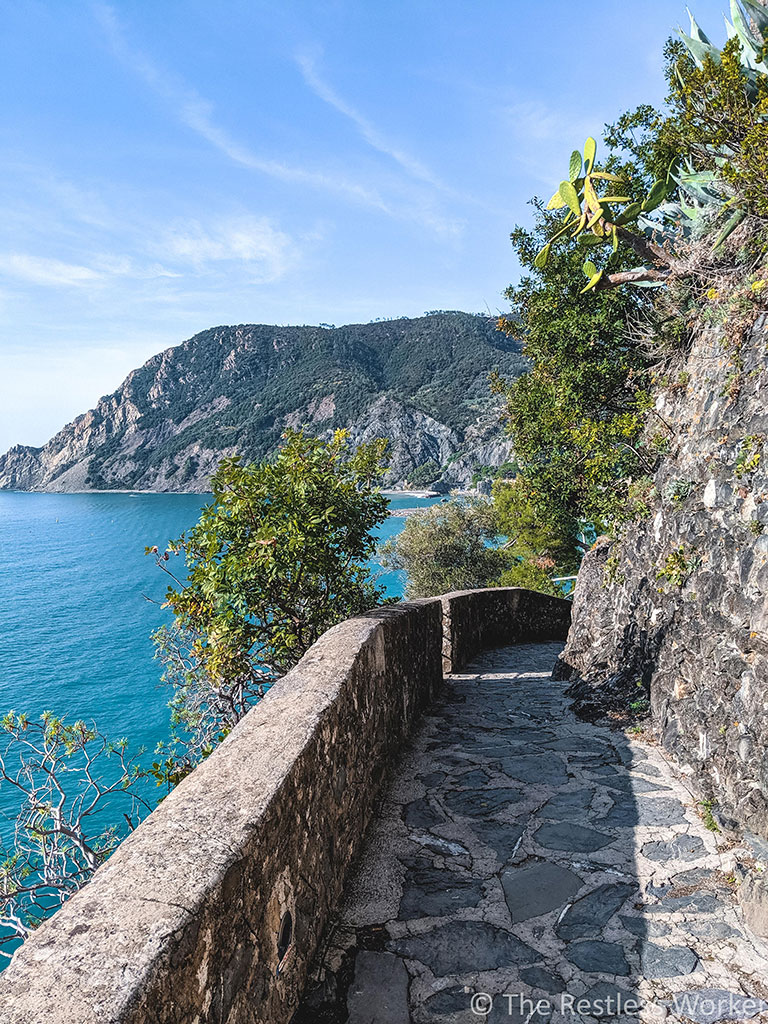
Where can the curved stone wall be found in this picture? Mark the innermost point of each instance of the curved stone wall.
(211, 911)
(476, 620)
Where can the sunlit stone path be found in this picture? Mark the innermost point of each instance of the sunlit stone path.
(527, 866)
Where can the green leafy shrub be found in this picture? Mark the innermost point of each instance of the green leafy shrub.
(750, 455)
(678, 567)
(278, 557)
(612, 573)
(720, 102)
(466, 543)
(576, 419)
(447, 547)
(532, 576)
(676, 492)
(424, 474)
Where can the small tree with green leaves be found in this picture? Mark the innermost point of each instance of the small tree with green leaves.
(447, 547)
(278, 557)
(577, 418)
(79, 796)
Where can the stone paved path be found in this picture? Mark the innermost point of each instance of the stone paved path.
(521, 853)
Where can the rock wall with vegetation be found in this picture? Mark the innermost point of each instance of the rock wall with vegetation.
(213, 908)
(421, 383)
(675, 611)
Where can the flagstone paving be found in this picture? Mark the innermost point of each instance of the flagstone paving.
(522, 854)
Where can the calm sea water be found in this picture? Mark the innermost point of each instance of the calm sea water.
(75, 621)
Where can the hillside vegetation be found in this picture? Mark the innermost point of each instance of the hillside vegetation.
(422, 383)
(644, 242)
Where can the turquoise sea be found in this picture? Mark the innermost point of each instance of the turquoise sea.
(75, 621)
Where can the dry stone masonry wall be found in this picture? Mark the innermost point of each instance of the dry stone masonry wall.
(678, 607)
(212, 910)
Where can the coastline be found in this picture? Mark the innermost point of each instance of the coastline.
(124, 490)
(411, 494)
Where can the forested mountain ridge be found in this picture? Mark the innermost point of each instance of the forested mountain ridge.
(422, 382)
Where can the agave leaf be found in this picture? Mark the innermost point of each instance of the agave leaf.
(574, 167)
(753, 81)
(696, 32)
(541, 259)
(699, 50)
(750, 43)
(570, 197)
(593, 282)
(697, 178)
(556, 202)
(758, 14)
(655, 197)
(654, 228)
(590, 151)
(673, 166)
(703, 186)
(589, 269)
(733, 222)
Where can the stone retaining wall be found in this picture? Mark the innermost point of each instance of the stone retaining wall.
(211, 911)
(477, 620)
(677, 607)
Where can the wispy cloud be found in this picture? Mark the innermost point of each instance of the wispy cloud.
(366, 128)
(43, 271)
(260, 250)
(540, 123)
(101, 267)
(266, 251)
(541, 134)
(197, 113)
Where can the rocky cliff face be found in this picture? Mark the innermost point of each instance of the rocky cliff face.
(678, 606)
(422, 383)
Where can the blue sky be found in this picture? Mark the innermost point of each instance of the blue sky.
(167, 167)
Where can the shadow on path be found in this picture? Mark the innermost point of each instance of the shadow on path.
(528, 866)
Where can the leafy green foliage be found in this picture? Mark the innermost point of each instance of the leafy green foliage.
(67, 777)
(547, 546)
(590, 216)
(276, 559)
(447, 547)
(235, 388)
(465, 543)
(720, 116)
(678, 567)
(532, 575)
(424, 474)
(576, 418)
